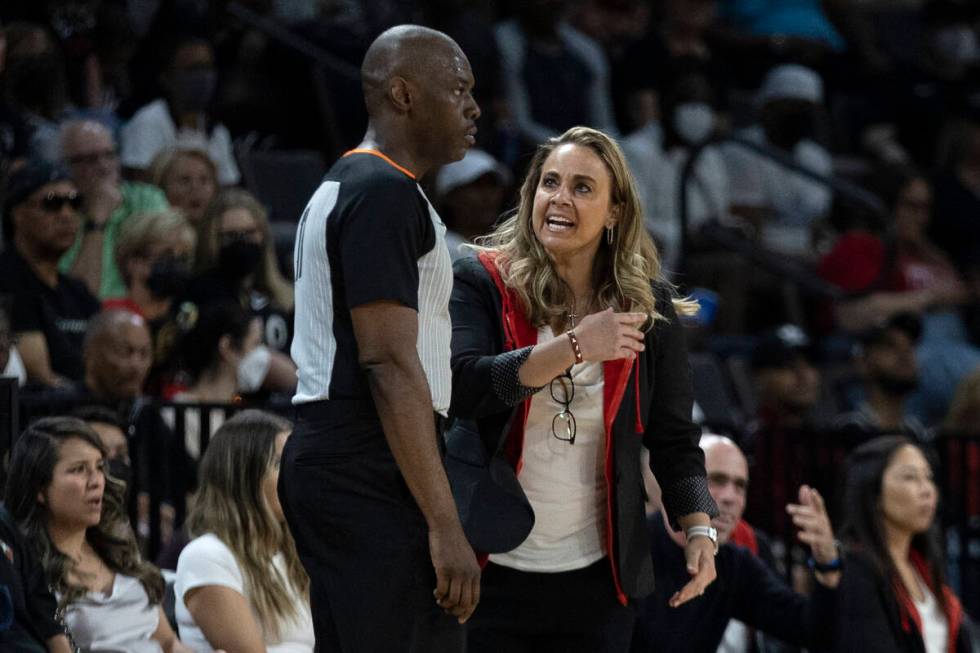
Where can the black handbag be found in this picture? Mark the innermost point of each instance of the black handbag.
(493, 508)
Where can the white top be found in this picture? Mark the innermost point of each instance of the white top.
(735, 639)
(565, 483)
(658, 174)
(935, 628)
(122, 621)
(192, 423)
(796, 201)
(207, 561)
(152, 130)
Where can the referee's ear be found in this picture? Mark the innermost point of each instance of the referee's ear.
(400, 93)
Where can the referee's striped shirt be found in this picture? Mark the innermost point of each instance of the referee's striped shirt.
(368, 234)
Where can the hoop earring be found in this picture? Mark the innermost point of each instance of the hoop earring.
(610, 235)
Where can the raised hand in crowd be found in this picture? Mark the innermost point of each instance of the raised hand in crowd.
(810, 517)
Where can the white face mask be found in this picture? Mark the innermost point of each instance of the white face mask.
(694, 121)
(253, 368)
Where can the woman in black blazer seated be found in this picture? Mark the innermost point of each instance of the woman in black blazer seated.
(564, 323)
(894, 596)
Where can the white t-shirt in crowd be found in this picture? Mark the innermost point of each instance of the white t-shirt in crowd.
(935, 628)
(151, 130)
(207, 561)
(122, 620)
(565, 483)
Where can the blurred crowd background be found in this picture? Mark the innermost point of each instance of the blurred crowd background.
(809, 168)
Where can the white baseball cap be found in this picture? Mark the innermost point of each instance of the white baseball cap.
(471, 167)
(791, 82)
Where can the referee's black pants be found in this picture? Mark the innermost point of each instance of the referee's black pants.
(360, 536)
(566, 612)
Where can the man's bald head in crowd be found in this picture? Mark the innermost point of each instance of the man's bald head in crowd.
(118, 353)
(410, 52)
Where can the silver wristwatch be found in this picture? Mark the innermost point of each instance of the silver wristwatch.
(704, 531)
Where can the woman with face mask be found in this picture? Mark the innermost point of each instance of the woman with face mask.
(223, 357)
(657, 155)
(237, 262)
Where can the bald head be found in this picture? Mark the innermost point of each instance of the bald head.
(411, 52)
(728, 479)
(89, 149)
(118, 354)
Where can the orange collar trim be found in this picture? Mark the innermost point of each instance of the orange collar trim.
(382, 156)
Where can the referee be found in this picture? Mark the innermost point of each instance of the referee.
(362, 484)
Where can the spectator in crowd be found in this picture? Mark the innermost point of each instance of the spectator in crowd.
(470, 196)
(964, 412)
(236, 254)
(112, 433)
(74, 516)
(240, 584)
(554, 278)
(35, 86)
(117, 356)
(918, 278)
(223, 356)
(779, 204)
(108, 202)
(887, 361)
(533, 46)
(657, 154)
(749, 594)
(894, 595)
(788, 387)
(117, 360)
(50, 311)
(678, 45)
(155, 253)
(189, 178)
(11, 363)
(182, 119)
(31, 626)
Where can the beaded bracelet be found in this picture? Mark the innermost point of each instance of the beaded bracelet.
(575, 346)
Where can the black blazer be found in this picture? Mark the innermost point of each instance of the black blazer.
(871, 619)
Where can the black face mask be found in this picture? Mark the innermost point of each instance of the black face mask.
(120, 470)
(168, 277)
(790, 128)
(239, 259)
(896, 386)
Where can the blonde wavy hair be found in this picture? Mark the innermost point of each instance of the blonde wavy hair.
(141, 231)
(231, 506)
(624, 270)
(268, 279)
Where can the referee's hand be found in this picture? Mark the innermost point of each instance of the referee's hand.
(457, 571)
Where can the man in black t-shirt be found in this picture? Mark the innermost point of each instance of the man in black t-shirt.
(362, 483)
(50, 311)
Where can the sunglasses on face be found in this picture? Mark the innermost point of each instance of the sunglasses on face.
(54, 202)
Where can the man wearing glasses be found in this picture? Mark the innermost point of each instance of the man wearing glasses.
(89, 151)
(50, 311)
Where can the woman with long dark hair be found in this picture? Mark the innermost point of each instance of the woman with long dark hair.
(894, 595)
(74, 515)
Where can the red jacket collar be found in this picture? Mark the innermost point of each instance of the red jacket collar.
(910, 615)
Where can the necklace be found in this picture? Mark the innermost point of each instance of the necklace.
(573, 315)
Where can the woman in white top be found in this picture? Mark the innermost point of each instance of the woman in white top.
(240, 585)
(549, 343)
(73, 514)
(894, 596)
